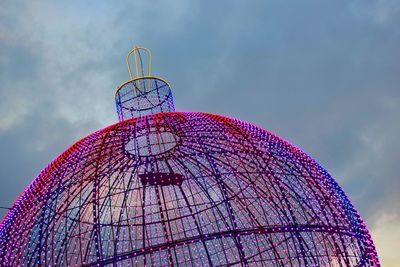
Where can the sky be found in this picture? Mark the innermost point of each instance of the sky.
(324, 75)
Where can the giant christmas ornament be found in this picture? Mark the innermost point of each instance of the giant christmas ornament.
(167, 188)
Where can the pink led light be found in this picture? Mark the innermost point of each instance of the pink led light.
(218, 191)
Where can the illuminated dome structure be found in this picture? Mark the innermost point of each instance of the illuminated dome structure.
(166, 188)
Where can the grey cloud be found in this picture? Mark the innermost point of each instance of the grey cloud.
(322, 74)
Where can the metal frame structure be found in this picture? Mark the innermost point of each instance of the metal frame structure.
(183, 189)
(143, 96)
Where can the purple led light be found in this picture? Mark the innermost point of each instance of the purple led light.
(190, 189)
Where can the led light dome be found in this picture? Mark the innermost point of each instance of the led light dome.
(166, 188)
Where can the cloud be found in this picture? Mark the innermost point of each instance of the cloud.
(380, 12)
(323, 75)
(387, 236)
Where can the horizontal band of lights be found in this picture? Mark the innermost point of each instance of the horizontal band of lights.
(184, 189)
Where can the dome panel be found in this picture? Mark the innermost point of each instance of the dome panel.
(184, 189)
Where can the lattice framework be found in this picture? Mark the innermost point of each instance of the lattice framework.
(184, 189)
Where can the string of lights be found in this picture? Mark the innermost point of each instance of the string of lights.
(167, 188)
